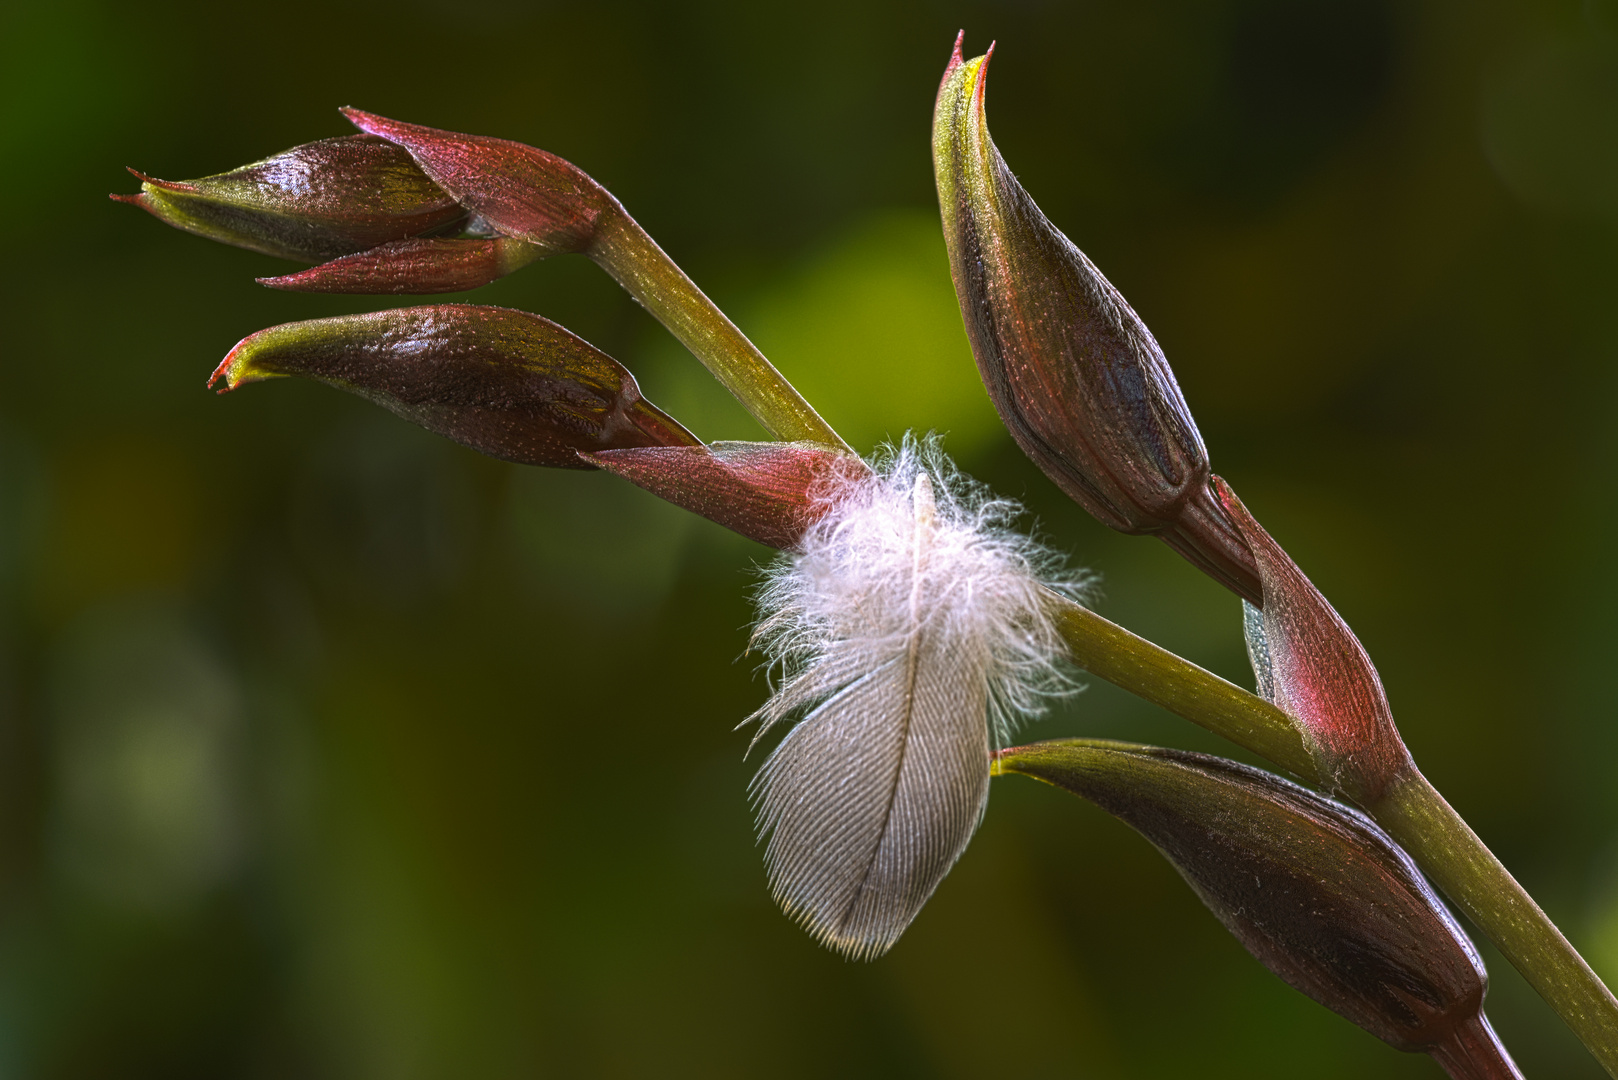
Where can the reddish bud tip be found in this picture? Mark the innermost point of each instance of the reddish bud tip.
(224, 369)
(176, 187)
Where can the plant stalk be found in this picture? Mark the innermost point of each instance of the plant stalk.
(1437, 837)
(1108, 651)
(1413, 813)
(624, 250)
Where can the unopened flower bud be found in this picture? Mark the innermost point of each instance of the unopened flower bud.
(314, 202)
(1315, 890)
(437, 265)
(1309, 664)
(769, 492)
(519, 190)
(506, 383)
(1074, 373)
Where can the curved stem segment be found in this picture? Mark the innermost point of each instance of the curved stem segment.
(624, 250)
(1413, 812)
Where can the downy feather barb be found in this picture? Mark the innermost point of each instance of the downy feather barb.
(909, 634)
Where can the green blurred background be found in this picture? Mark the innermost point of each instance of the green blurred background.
(330, 749)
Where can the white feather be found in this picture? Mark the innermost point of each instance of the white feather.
(911, 634)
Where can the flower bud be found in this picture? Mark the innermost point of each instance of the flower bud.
(1315, 890)
(769, 492)
(419, 266)
(506, 383)
(1073, 371)
(1309, 664)
(521, 191)
(314, 202)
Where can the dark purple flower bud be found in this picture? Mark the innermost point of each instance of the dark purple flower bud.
(314, 202)
(1315, 890)
(1076, 376)
(414, 266)
(769, 492)
(506, 383)
(519, 190)
(1310, 665)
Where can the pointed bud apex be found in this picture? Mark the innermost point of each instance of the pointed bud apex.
(312, 203)
(1316, 891)
(413, 266)
(522, 192)
(506, 383)
(1312, 667)
(1074, 373)
(769, 492)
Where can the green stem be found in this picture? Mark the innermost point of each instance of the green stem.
(1413, 812)
(1108, 651)
(1417, 816)
(625, 251)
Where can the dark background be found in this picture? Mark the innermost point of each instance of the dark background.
(331, 749)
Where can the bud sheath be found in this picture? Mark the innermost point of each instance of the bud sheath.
(509, 384)
(769, 492)
(418, 266)
(1313, 889)
(1310, 665)
(314, 202)
(1073, 371)
(519, 190)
